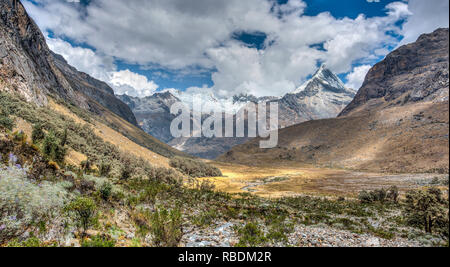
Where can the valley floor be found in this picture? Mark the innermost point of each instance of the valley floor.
(289, 181)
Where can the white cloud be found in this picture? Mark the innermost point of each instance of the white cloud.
(130, 83)
(426, 17)
(356, 78)
(180, 34)
(83, 59)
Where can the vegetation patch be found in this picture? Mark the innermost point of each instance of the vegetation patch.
(194, 168)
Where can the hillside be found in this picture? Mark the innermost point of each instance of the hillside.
(382, 133)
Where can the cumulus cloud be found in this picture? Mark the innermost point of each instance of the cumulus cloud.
(426, 16)
(356, 78)
(182, 35)
(130, 83)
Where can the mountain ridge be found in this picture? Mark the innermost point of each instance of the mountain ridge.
(323, 96)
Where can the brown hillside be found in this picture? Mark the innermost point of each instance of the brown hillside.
(412, 138)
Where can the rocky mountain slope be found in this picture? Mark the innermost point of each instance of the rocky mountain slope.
(398, 122)
(323, 96)
(417, 72)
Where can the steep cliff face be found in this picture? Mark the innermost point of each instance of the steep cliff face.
(25, 60)
(412, 73)
(29, 68)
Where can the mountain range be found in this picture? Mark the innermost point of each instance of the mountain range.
(398, 121)
(323, 96)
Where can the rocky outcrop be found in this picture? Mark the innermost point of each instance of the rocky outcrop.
(153, 113)
(412, 73)
(28, 67)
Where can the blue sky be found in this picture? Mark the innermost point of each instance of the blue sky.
(261, 47)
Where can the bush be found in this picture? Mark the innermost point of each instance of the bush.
(427, 209)
(251, 236)
(38, 133)
(99, 241)
(52, 148)
(20, 137)
(23, 203)
(84, 212)
(194, 168)
(6, 122)
(166, 227)
(106, 190)
(32, 242)
(104, 169)
(378, 195)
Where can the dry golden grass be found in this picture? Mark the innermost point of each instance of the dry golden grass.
(114, 137)
(74, 158)
(284, 180)
(24, 126)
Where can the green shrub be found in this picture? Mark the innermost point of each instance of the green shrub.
(99, 241)
(427, 209)
(84, 212)
(166, 227)
(194, 168)
(20, 137)
(251, 236)
(106, 190)
(378, 195)
(52, 148)
(104, 169)
(6, 122)
(32, 242)
(38, 133)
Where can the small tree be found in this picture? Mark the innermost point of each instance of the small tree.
(84, 211)
(426, 209)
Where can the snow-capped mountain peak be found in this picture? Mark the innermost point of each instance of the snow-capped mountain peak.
(323, 79)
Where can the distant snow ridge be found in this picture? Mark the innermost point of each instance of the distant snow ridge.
(211, 102)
